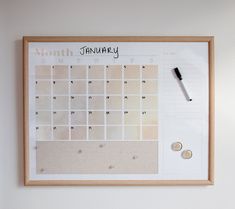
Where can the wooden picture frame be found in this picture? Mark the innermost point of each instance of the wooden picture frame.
(51, 63)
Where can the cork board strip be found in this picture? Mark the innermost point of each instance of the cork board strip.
(97, 157)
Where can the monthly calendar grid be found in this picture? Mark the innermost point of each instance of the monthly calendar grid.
(128, 94)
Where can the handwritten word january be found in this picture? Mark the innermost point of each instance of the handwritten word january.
(85, 50)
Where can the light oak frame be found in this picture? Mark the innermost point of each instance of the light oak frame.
(208, 39)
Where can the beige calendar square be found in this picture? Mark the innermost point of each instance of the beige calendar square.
(96, 117)
(131, 87)
(43, 72)
(96, 102)
(132, 132)
(149, 102)
(113, 117)
(95, 87)
(60, 72)
(78, 102)
(60, 118)
(78, 87)
(60, 102)
(78, 118)
(78, 132)
(96, 132)
(132, 72)
(149, 72)
(96, 72)
(114, 72)
(114, 87)
(43, 117)
(60, 87)
(43, 102)
(114, 132)
(113, 102)
(149, 132)
(43, 133)
(43, 87)
(61, 132)
(149, 117)
(78, 71)
(132, 117)
(149, 87)
(131, 102)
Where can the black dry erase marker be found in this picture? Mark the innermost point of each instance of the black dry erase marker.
(179, 76)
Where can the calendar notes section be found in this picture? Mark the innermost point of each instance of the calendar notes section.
(96, 102)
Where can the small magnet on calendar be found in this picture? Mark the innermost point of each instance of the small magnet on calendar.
(72, 112)
(143, 66)
(89, 81)
(36, 113)
(36, 82)
(90, 112)
(107, 66)
(90, 128)
(107, 97)
(125, 82)
(90, 97)
(143, 113)
(143, 97)
(71, 66)
(53, 66)
(107, 113)
(143, 81)
(176, 146)
(71, 82)
(107, 81)
(54, 112)
(72, 97)
(89, 66)
(37, 97)
(42, 170)
(54, 128)
(53, 82)
(125, 97)
(124, 66)
(125, 112)
(37, 128)
(187, 154)
(72, 127)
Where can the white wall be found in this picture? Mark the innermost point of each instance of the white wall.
(109, 17)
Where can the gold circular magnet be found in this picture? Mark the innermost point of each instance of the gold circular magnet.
(176, 146)
(187, 154)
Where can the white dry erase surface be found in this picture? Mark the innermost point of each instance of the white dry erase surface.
(116, 111)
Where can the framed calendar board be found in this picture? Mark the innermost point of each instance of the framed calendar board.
(118, 110)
